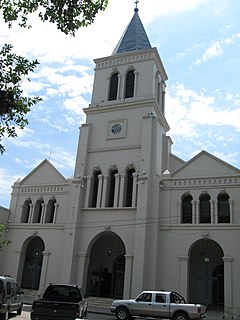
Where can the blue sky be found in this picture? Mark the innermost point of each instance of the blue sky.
(199, 44)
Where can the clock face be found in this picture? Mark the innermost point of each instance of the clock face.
(116, 128)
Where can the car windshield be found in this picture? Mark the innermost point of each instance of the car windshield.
(62, 293)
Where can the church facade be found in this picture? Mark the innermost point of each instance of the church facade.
(134, 216)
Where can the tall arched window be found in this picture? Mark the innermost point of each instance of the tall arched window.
(113, 90)
(129, 88)
(112, 185)
(205, 209)
(37, 215)
(95, 188)
(129, 187)
(26, 211)
(50, 211)
(223, 208)
(187, 209)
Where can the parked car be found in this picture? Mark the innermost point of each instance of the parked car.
(10, 297)
(60, 301)
(158, 304)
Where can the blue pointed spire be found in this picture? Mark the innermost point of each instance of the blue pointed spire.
(134, 37)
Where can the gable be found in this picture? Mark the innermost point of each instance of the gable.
(45, 173)
(205, 165)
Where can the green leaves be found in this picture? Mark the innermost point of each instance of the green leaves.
(3, 243)
(13, 105)
(68, 15)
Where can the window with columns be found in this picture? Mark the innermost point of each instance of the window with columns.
(129, 86)
(111, 188)
(223, 207)
(186, 216)
(129, 188)
(50, 211)
(38, 209)
(113, 89)
(205, 209)
(26, 211)
(95, 188)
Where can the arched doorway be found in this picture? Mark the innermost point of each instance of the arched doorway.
(106, 267)
(206, 276)
(32, 264)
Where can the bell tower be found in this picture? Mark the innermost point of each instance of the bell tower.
(123, 148)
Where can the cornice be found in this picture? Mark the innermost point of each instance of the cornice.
(131, 57)
(196, 183)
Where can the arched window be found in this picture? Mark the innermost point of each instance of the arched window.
(50, 211)
(223, 208)
(38, 211)
(129, 88)
(205, 209)
(129, 187)
(187, 209)
(112, 185)
(26, 211)
(113, 90)
(95, 188)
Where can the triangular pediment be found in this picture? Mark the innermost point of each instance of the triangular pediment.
(205, 164)
(44, 174)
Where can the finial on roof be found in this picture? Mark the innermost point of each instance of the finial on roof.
(136, 8)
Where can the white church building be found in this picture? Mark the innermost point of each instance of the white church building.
(134, 216)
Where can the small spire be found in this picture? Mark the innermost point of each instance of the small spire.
(136, 7)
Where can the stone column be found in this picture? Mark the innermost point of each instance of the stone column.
(121, 192)
(81, 278)
(119, 87)
(104, 190)
(228, 286)
(216, 211)
(43, 212)
(134, 194)
(56, 205)
(193, 203)
(123, 84)
(197, 211)
(87, 192)
(212, 210)
(135, 83)
(128, 276)
(108, 88)
(231, 210)
(31, 213)
(183, 275)
(100, 187)
(116, 191)
(179, 206)
(44, 270)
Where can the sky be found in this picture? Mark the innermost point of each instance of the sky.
(199, 45)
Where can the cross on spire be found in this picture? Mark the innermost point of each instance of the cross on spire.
(136, 7)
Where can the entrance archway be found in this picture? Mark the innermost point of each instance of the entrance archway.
(33, 264)
(206, 276)
(106, 266)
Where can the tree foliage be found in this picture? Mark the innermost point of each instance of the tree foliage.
(68, 15)
(3, 243)
(13, 104)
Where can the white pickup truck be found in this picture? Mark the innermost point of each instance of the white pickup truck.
(158, 304)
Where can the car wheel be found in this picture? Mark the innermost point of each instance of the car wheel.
(123, 314)
(19, 311)
(85, 314)
(5, 316)
(180, 316)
